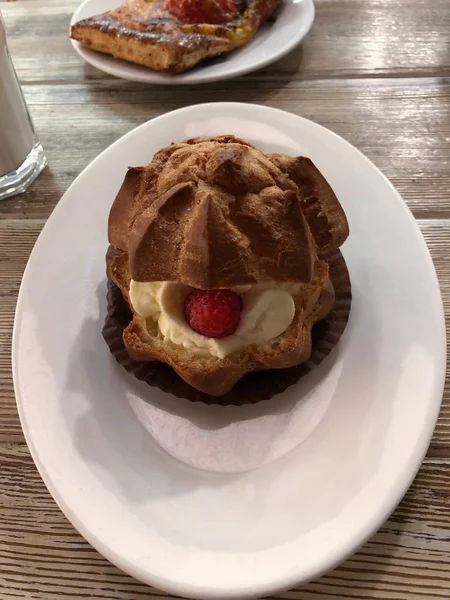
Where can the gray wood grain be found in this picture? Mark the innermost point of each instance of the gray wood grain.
(43, 558)
(350, 38)
(374, 71)
(403, 125)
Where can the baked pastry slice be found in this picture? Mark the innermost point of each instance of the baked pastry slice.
(216, 213)
(173, 35)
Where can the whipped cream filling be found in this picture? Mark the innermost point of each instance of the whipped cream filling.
(267, 311)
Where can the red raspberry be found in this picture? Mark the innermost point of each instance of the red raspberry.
(213, 313)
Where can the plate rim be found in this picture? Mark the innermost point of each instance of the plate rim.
(153, 77)
(391, 500)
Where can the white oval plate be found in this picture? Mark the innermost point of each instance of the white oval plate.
(336, 452)
(272, 42)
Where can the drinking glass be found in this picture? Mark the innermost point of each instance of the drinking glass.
(21, 155)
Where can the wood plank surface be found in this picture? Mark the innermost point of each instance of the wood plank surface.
(403, 126)
(37, 540)
(377, 72)
(350, 38)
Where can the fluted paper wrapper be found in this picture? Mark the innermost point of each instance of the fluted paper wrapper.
(253, 387)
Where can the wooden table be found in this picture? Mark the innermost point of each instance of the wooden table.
(374, 71)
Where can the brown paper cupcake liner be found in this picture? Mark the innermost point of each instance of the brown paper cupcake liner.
(253, 387)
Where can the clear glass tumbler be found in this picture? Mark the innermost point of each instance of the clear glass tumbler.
(21, 155)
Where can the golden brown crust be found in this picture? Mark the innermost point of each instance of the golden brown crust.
(122, 208)
(217, 376)
(218, 212)
(142, 32)
(320, 206)
(253, 387)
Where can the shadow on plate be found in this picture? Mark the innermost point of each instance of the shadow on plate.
(127, 460)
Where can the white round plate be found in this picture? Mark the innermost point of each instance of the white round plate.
(272, 42)
(169, 490)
